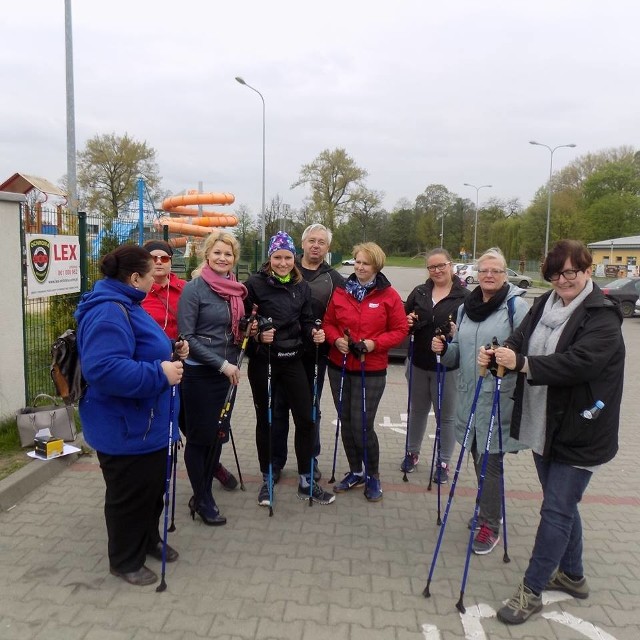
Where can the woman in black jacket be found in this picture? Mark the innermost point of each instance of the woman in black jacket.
(432, 306)
(569, 353)
(284, 304)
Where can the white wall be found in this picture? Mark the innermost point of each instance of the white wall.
(11, 335)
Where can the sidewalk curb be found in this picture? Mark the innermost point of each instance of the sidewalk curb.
(33, 475)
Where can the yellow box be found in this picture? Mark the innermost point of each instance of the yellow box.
(48, 447)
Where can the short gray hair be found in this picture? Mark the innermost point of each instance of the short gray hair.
(494, 253)
(316, 226)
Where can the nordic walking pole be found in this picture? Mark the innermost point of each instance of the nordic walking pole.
(410, 365)
(270, 425)
(172, 526)
(505, 557)
(483, 470)
(426, 593)
(172, 401)
(440, 384)
(227, 406)
(364, 417)
(339, 418)
(314, 409)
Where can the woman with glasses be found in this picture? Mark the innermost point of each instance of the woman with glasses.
(430, 307)
(161, 302)
(569, 354)
(492, 310)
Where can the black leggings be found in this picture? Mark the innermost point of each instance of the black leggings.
(290, 380)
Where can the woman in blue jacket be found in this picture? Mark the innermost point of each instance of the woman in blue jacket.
(127, 363)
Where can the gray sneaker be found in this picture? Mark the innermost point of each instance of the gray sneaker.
(559, 581)
(522, 605)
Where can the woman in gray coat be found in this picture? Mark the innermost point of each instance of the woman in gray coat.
(492, 310)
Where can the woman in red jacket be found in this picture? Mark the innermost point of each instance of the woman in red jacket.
(363, 321)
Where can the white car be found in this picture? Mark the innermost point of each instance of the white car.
(349, 263)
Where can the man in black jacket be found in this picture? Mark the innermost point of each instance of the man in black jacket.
(322, 279)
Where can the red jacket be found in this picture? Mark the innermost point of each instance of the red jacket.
(379, 317)
(162, 309)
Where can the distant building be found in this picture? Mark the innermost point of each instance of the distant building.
(623, 253)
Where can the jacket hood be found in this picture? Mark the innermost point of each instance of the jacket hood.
(108, 290)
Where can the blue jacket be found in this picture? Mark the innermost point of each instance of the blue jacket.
(125, 410)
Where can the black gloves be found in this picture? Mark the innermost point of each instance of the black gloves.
(358, 348)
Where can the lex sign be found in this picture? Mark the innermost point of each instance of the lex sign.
(53, 265)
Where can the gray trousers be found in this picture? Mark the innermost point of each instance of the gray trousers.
(424, 395)
(491, 498)
(351, 423)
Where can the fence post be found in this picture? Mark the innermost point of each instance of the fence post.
(84, 264)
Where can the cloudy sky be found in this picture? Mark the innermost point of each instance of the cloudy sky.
(417, 92)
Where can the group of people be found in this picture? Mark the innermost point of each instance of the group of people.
(143, 333)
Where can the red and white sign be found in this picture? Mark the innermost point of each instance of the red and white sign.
(53, 265)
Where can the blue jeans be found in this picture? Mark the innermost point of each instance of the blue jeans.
(559, 537)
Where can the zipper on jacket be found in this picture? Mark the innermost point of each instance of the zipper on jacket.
(144, 437)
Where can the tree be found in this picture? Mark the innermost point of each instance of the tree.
(108, 169)
(366, 206)
(334, 179)
(431, 207)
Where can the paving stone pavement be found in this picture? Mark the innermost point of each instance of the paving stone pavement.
(347, 571)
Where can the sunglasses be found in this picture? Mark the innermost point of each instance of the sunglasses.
(163, 259)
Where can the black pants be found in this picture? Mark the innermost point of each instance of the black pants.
(280, 426)
(287, 377)
(133, 503)
(351, 423)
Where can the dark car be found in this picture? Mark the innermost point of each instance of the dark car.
(626, 291)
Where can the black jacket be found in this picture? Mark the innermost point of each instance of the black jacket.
(288, 306)
(323, 281)
(430, 317)
(588, 365)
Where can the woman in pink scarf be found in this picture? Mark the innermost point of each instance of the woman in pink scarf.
(208, 314)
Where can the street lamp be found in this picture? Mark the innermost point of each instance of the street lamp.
(475, 226)
(539, 144)
(264, 213)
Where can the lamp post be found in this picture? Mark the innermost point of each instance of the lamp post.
(475, 226)
(264, 213)
(539, 144)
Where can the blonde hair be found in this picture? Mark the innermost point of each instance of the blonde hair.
(212, 238)
(495, 254)
(374, 253)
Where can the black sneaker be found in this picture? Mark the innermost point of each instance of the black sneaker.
(441, 474)
(410, 462)
(560, 581)
(264, 500)
(318, 494)
(521, 607)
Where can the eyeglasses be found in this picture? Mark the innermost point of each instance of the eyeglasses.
(569, 274)
(437, 267)
(493, 272)
(163, 259)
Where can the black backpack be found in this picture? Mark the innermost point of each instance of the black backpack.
(65, 368)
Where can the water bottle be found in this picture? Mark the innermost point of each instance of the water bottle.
(593, 412)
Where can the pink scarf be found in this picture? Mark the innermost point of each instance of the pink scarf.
(228, 289)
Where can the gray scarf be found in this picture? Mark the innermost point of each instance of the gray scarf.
(543, 342)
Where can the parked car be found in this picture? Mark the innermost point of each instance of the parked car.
(349, 262)
(626, 291)
(470, 276)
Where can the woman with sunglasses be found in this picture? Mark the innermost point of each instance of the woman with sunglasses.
(569, 354)
(492, 310)
(161, 302)
(430, 307)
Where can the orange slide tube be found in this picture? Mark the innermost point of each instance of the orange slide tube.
(193, 229)
(197, 198)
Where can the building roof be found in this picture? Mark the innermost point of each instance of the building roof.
(629, 242)
(22, 183)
